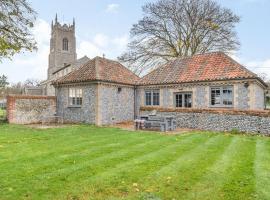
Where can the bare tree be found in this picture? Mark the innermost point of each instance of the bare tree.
(31, 83)
(264, 76)
(179, 28)
(16, 20)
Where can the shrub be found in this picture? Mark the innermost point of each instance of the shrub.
(235, 131)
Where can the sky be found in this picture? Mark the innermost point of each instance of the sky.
(102, 27)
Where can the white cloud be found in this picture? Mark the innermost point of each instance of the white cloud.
(101, 40)
(89, 49)
(257, 66)
(103, 44)
(260, 67)
(112, 8)
(121, 42)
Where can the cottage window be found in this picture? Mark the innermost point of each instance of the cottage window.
(222, 96)
(75, 96)
(65, 44)
(183, 100)
(152, 97)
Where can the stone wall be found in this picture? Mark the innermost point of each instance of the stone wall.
(218, 120)
(242, 96)
(29, 109)
(116, 103)
(84, 114)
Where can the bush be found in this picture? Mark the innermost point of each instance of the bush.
(235, 131)
(2, 114)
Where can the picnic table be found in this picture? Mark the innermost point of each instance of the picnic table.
(163, 123)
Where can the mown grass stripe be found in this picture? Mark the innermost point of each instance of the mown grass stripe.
(131, 157)
(209, 186)
(126, 168)
(65, 148)
(52, 162)
(240, 177)
(262, 169)
(76, 168)
(213, 166)
(186, 170)
(127, 152)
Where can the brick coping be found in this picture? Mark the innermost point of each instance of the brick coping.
(260, 113)
(30, 97)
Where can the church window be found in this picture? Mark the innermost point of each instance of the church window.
(65, 44)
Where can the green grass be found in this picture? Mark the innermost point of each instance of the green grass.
(2, 112)
(86, 162)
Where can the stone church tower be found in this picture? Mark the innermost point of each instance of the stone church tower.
(62, 46)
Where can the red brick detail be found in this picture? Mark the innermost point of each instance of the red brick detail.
(260, 113)
(10, 108)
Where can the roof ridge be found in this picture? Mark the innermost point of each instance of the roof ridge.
(118, 63)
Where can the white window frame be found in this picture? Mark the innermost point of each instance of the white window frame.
(75, 97)
(221, 97)
(152, 97)
(183, 99)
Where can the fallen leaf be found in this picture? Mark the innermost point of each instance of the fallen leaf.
(135, 184)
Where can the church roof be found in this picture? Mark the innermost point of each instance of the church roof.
(198, 68)
(100, 69)
(77, 63)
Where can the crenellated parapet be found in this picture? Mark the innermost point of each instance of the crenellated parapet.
(65, 27)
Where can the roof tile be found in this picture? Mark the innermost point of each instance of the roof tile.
(100, 69)
(201, 67)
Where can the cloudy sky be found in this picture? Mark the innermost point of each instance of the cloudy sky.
(102, 26)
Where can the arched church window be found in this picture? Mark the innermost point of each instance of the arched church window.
(65, 44)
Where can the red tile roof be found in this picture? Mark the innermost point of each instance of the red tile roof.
(100, 69)
(201, 67)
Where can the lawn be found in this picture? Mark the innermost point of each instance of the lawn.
(2, 113)
(86, 162)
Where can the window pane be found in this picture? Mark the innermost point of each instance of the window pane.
(156, 98)
(148, 98)
(70, 92)
(73, 101)
(215, 96)
(75, 96)
(79, 101)
(227, 96)
(178, 100)
(188, 100)
(80, 93)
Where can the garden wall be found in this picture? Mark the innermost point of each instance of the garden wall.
(217, 119)
(29, 109)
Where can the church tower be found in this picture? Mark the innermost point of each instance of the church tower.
(62, 46)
